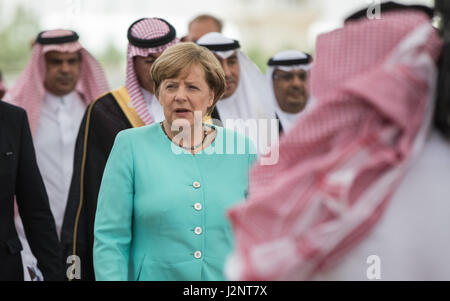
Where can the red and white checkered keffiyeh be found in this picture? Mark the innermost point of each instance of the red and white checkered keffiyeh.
(146, 29)
(29, 90)
(342, 162)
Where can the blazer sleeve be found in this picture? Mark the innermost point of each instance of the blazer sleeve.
(34, 209)
(113, 219)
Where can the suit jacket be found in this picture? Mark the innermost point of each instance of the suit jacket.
(20, 178)
(161, 211)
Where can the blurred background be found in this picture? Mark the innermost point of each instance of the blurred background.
(263, 27)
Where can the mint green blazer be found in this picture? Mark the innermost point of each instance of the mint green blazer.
(161, 211)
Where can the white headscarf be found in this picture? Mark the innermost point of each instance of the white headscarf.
(288, 60)
(250, 100)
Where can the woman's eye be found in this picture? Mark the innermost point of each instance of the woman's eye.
(193, 87)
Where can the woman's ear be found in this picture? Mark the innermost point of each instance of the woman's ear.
(211, 98)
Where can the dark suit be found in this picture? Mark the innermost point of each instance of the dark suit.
(20, 177)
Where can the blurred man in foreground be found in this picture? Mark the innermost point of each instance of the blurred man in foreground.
(361, 192)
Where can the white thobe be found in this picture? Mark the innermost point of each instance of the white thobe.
(153, 106)
(412, 240)
(54, 142)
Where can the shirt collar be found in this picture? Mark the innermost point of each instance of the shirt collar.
(55, 102)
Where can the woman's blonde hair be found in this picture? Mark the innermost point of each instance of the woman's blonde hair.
(180, 56)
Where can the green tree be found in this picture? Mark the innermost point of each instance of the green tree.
(16, 38)
(111, 56)
(256, 54)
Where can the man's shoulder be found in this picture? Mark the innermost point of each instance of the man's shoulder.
(10, 110)
(106, 103)
(104, 99)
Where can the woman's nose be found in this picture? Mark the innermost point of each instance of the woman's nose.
(181, 94)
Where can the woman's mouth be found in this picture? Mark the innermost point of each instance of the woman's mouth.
(182, 111)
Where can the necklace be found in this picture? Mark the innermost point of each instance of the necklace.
(205, 133)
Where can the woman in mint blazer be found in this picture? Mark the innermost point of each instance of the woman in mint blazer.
(166, 188)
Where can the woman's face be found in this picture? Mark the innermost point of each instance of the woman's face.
(185, 94)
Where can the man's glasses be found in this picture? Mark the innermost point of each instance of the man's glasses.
(288, 76)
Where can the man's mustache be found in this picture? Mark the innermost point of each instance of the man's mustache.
(297, 91)
(64, 77)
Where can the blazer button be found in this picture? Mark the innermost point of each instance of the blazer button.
(198, 254)
(196, 184)
(198, 230)
(198, 206)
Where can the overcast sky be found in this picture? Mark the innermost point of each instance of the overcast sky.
(98, 21)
